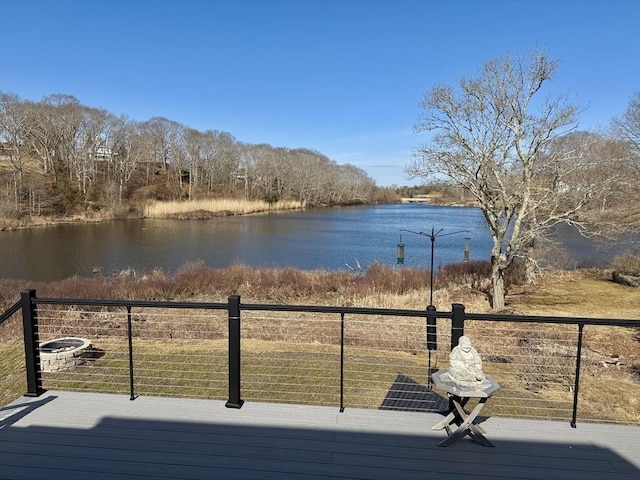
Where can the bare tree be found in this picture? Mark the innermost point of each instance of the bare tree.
(62, 118)
(309, 176)
(223, 161)
(627, 128)
(90, 148)
(14, 128)
(493, 135)
(45, 134)
(353, 184)
(196, 154)
(125, 149)
(164, 139)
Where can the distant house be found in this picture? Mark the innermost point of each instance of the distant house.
(103, 153)
(5, 151)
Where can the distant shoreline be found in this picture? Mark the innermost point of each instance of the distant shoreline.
(196, 211)
(188, 210)
(437, 200)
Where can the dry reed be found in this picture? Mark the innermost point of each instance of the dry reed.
(217, 207)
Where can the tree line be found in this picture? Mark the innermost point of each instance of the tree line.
(59, 156)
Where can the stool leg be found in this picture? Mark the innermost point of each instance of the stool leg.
(467, 427)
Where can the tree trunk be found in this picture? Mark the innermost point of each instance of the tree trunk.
(497, 290)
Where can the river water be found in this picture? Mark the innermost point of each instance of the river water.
(341, 238)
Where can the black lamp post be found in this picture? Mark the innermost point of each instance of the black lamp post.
(432, 236)
(431, 310)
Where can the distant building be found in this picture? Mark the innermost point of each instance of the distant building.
(103, 153)
(5, 151)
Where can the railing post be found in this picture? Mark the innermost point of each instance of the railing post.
(577, 377)
(432, 337)
(132, 391)
(457, 323)
(342, 362)
(31, 344)
(234, 353)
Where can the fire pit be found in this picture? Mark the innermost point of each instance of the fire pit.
(64, 353)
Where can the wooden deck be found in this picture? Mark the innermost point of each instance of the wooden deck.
(67, 435)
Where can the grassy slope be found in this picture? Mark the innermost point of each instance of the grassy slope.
(588, 293)
(593, 294)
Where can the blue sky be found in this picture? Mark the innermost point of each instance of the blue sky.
(344, 77)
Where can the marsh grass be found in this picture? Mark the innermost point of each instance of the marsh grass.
(215, 207)
(377, 286)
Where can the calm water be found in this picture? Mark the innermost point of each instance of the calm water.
(331, 238)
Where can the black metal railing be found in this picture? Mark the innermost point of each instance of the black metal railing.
(434, 330)
(6, 315)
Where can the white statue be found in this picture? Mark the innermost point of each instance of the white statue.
(465, 364)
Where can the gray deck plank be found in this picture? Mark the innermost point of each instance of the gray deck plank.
(72, 435)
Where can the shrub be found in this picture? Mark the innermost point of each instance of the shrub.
(472, 273)
(626, 263)
(517, 273)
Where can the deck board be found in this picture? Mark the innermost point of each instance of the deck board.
(100, 436)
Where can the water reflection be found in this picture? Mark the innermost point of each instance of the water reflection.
(321, 238)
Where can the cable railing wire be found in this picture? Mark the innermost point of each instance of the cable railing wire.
(350, 356)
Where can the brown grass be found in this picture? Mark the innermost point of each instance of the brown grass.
(213, 207)
(579, 293)
(275, 343)
(12, 378)
(378, 286)
(24, 222)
